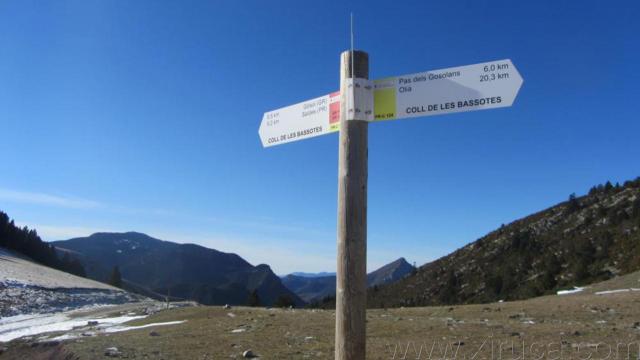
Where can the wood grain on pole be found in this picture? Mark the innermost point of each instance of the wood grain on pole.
(351, 284)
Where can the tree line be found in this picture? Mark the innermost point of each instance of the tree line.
(27, 242)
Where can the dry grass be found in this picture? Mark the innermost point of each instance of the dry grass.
(550, 327)
(553, 323)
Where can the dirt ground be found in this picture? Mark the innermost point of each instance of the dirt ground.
(581, 326)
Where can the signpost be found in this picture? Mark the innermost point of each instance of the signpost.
(307, 119)
(353, 152)
(487, 85)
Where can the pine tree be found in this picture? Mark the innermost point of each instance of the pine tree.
(254, 299)
(27, 242)
(448, 293)
(608, 186)
(284, 301)
(551, 268)
(573, 203)
(116, 278)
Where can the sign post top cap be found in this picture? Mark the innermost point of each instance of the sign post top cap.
(356, 53)
(359, 64)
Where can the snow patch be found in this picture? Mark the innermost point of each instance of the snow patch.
(127, 328)
(616, 291)
(14, 327)
(17, 298)
(15, 268)
(30, 288)
(572, 291)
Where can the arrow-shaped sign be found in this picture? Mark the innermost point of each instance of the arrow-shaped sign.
(466, 88)
(487, 85)
(301, 121)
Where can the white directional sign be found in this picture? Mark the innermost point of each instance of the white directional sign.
(487, 85)
(466, 88)
(301, 121)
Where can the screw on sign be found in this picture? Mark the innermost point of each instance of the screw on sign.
(360, 101)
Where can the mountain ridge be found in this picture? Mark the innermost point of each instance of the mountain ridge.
(187, 271)
(314, 289)
(579, 241)
(310, 274)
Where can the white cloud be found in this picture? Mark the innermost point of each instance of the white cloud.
(283, 256)
(47, 199)
(72, 202)
(286, 247)
(53, 232)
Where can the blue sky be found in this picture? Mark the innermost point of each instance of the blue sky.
(144, 115)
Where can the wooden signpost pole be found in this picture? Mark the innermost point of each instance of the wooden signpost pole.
(488, 85)
(351, 284)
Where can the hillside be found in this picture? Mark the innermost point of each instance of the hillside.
(27, 287)
(26, 242)
(317, 288)
(185, 271)
(390, 273)
(311, 289)
(580, 241)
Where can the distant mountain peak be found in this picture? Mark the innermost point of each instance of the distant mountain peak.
(129, 235)
(316, 286)
(400, 261)
(390, 273)
(126, 233)
(187, 271)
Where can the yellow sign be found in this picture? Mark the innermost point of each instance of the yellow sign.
(384, 99)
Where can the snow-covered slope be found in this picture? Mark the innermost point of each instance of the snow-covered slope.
(83, 322)
(30, 288)
(17, 268)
